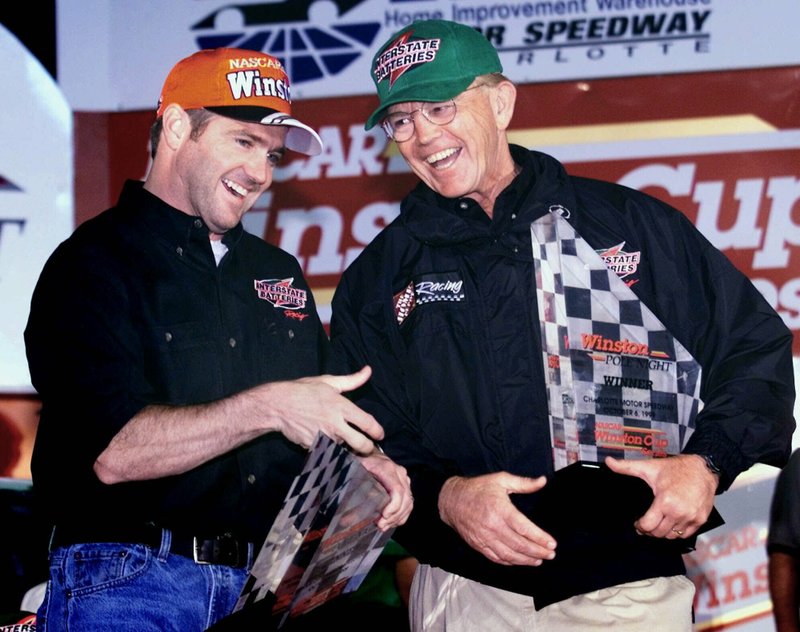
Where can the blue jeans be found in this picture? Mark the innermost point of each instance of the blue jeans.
(135, 588)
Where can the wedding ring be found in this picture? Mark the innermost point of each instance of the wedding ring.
(678, 531)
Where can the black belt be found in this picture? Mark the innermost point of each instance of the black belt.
(223, 549)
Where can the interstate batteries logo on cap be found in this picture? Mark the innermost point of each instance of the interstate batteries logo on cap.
(403, 54)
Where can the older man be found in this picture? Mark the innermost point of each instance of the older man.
(443, 306)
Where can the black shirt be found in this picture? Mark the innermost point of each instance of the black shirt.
(132, 310)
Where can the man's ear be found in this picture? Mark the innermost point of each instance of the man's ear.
(176, 126)
(505, 96)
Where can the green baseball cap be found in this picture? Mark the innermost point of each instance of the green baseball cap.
(429, 60)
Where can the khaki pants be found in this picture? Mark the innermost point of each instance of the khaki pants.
(443, 602)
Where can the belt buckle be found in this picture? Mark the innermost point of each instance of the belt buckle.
(197, 549)
(220, 550)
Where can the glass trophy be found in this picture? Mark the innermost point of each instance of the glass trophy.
(619, 383)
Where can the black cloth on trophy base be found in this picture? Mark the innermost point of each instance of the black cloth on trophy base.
(590, 497)
(590, 511)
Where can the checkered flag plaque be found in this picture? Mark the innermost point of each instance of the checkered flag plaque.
(324, 540)
(619, 384)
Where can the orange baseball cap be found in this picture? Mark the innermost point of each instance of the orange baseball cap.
(242, 84)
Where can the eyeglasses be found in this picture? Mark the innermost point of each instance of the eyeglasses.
(399, 126)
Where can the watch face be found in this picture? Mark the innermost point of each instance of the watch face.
(710, 463)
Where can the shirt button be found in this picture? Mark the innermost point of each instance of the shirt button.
(168, 337)
(232, 342)
(513, 216)
(291, 334)
(516, 249)
(198, 223)
(463, 205)
(251, 478)
(179, 250)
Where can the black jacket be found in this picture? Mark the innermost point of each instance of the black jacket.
(459, 386)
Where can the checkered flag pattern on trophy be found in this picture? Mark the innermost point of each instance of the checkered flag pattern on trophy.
(325, 538)
(619, 383)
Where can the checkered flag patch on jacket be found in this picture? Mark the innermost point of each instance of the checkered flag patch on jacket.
(619, 383)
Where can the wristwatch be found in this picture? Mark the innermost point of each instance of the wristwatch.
(710, 464)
